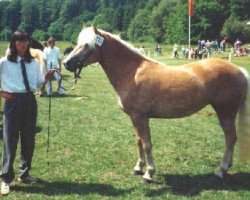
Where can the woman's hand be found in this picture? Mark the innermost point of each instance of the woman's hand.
(50, 73)
(7, 95)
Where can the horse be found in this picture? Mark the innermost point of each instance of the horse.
(150, 89)
(68, 50)
(35, 44)
(36, 50)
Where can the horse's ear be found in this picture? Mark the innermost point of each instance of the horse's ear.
(94, 28)
(84, 25)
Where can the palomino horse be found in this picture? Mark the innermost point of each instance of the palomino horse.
(38, 55)
(148, 89)
(36, 50)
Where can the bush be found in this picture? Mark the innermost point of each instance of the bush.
(40, 35)
(56, 29)
(5, 34)
(234, 29)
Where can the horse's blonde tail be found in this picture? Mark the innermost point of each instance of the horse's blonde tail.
(243, 132)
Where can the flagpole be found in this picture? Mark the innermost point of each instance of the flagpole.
(190, 14)
(189, 37)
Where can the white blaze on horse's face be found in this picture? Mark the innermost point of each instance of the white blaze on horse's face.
(85, 46)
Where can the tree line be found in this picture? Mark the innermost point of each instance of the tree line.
(161, 21)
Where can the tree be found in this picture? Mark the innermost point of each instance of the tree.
(70, 9)
(29, 16)
(177, 26)
(40, 35)
(6, 34)
(44, 13)
(235, 29)
(55, 29)
(139, 28)
(137, 20)
(208, 19)
(11, 15)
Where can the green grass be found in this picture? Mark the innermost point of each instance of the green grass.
(93, 150)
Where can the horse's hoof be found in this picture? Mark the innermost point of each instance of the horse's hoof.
(147, 181)
(220, 173)
(137, 173)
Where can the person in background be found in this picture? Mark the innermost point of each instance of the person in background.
(175, 51)
(20, 77)
(45, 46)
(223, 45)
(52, 58)
(183, 51)
(141, 49)
(156, 52)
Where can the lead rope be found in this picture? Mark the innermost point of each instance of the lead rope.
(48, 135)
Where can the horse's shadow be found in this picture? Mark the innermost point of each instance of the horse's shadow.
(70, 188)
(193, 185)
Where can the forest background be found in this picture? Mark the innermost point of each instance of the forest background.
(161, 21)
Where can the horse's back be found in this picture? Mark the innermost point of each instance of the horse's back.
(167, 92)
(171, 92)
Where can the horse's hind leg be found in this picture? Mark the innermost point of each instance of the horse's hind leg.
(142, 133)
(229, 129)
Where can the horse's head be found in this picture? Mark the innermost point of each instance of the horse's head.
(85, 52)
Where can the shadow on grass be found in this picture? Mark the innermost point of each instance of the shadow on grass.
(68, 188)
(193, 185)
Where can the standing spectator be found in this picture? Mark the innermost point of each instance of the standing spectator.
(208, 46)
(175, 51)
(199, 44)
(183, 51)
(223, 45)
(192, 53)
(156, 51)
(141, 49)
(45, 46)
(159, 49)
(20, 77)
(237, 48)
(52, 58)
(203, 43)
(214, 46)
(237, 44)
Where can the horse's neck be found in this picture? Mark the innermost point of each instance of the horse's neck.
(120, 64)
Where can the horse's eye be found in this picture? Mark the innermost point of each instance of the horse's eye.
(86, 45)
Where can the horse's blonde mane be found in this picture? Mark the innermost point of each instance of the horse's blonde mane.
(87, 35)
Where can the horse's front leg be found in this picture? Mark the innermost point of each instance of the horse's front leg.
(138, 169)
(142, 132)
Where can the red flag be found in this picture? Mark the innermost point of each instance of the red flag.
(191, 8)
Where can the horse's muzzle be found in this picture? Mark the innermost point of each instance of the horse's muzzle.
(69, 66)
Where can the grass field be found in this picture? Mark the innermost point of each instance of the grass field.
(93, 151)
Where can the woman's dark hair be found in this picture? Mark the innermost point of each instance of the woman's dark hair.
(18, 36)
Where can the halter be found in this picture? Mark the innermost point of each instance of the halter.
(98, 41)
(77, 73)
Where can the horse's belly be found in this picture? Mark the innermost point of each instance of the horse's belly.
(174, 110)
(160, 107)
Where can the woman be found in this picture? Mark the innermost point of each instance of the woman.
(20, 77)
